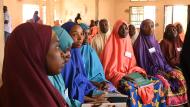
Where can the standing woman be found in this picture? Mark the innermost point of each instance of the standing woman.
(171, 46)
(149, 56)
(31, 53)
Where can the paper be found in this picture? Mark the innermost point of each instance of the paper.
(179, 49)
(152, 50)
(128, 54)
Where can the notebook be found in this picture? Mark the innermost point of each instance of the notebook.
(116, 97)
(138, 79)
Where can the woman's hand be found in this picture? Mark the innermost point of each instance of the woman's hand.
(96, 98)
(104, 86)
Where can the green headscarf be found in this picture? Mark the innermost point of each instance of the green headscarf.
(65, 39)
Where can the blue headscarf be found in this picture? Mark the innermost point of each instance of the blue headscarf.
(75, 77)
(65, 39)
(68, 25)
(57, 80)
(84, 26)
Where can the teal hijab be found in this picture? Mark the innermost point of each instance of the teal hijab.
(65, 42)
(65, 39)
(93, 66)
(84, 26)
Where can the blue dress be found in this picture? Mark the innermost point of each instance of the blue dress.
(75, 78)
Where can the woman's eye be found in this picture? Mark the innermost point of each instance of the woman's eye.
(57, 47)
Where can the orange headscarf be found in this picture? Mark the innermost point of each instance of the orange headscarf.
(118, 57)
(118, 60)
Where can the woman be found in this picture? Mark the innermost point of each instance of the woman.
(150, 57)
(31, 53)
(180, 31)
(57, 80)
(119, 61)
(74, 73)
(171, 46)
(93, 66)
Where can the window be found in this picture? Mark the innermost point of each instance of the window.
(28, 11)
(139, 13)
(44, 14)
(175, 14)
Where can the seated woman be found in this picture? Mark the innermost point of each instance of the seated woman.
(74, 73)
(119, 61)
(180, 30)
(171, 46)
(31, 53)
(93, 66)
(65, 41)
(150, 57)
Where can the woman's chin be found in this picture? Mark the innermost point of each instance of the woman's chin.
(77, 46)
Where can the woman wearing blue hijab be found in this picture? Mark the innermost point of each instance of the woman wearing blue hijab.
(93, 66)
(65, 44)
(74, 73)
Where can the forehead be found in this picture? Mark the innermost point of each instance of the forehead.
(76, 28)
(170, 27)
(178, 25)
(123, 25)
(103, 21)
(131, 26)
(54, 37)
(147, 22)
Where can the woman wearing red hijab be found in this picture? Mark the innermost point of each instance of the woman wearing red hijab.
(31, 54)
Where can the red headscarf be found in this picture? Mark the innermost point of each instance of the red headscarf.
(25, 81)
(118, 57)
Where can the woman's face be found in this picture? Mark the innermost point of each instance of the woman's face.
(179, 28)
(132, 30)
(171, 32)
(67, 54)
(77, 35)
(123, 30)
(104, 26)
(148, 27)
(55, 57)
(86, 34)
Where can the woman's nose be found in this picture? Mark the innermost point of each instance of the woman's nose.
(68, 54)
(62, 54)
